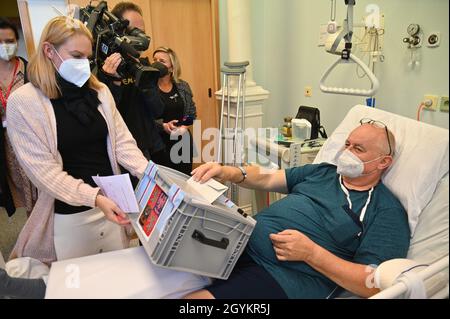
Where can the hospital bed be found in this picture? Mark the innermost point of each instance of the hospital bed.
(419, 178)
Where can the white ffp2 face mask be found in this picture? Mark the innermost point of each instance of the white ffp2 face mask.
(8, 51)
(76, 71)
(350, 165)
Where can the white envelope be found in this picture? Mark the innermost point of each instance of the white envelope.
(210, 191)
(120, 190)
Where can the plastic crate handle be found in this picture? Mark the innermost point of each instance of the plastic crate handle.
(222, 244)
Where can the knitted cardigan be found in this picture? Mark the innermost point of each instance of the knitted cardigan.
(32, 129)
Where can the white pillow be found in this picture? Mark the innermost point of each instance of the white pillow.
(430, 241)
(421, 158)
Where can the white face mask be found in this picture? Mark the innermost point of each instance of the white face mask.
(76, 71)
(8, 51)
(350, 165)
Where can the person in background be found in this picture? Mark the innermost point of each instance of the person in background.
(334, 227)
(15, 187)
(65, 128)
(178, 106)
(138, 108)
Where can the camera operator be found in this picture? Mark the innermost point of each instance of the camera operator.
(139, 108)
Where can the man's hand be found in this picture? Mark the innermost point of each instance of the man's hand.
(207, 171)
(170, 126)
(292, 245)
(111, 64)
(111, 210)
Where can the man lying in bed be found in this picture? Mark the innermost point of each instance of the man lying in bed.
(334, 227)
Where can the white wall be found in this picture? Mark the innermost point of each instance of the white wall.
(286, 57)
(40, 12)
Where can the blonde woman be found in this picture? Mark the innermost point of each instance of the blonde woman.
(65, 128)
(179, 111)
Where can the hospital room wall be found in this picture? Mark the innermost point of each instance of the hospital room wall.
(286, 58)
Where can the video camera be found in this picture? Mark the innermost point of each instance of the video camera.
(111, 35)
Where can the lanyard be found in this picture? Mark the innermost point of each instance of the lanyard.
(4, 99)
(347, 194)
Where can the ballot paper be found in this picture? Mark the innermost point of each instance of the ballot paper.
(118, 188)
(210, 190)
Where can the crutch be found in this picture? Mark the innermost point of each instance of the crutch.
(236, 69)
(232, 69)
(237, 65)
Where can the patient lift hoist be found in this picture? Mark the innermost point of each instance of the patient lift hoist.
(236, 135)
(348, 57)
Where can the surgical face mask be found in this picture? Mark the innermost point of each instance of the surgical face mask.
(76, 71)
(8, 51)
(350, 165)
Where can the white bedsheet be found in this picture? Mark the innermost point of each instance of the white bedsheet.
(120, 274)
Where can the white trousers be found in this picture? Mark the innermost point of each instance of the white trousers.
(86, 233)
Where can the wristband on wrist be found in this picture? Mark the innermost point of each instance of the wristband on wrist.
(244, 174)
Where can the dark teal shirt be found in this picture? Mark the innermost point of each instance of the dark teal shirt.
(314, 206)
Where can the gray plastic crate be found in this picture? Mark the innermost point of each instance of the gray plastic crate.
(198, 237)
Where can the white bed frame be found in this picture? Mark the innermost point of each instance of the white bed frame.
(400, 289)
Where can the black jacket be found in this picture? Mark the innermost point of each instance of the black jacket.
(5, 193)
(139, 109)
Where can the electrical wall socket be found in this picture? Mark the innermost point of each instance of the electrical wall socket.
(443, 104)
(434, 99)
(308, 91)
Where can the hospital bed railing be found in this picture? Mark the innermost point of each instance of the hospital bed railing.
(399, 289)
